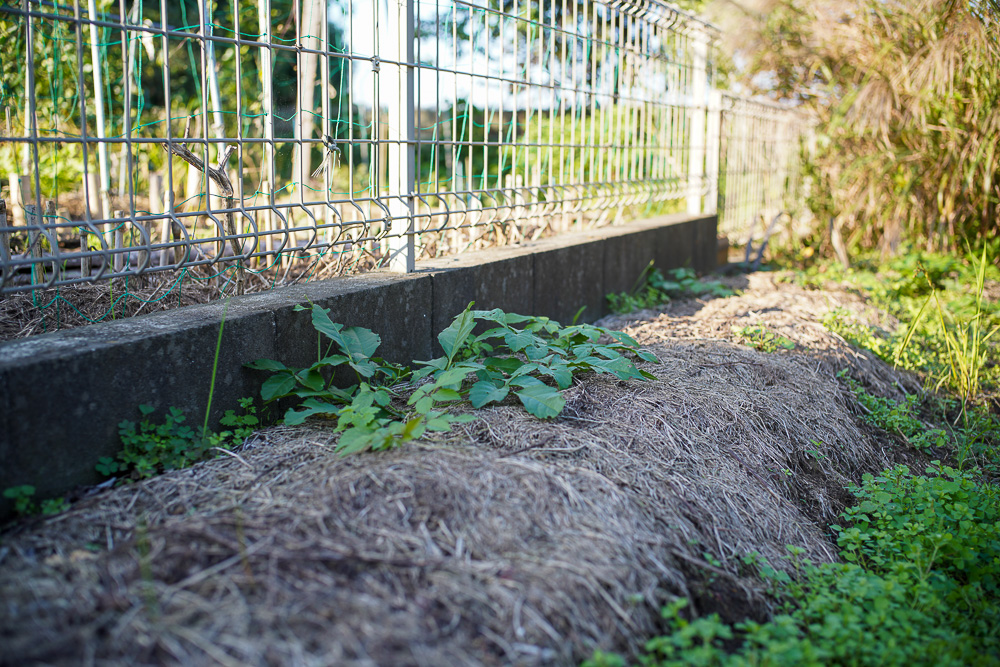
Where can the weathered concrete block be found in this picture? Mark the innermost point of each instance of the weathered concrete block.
(66, 392)
(499, 278)
(62, 395)
(396, 307)
(626, 257)
(568, 278)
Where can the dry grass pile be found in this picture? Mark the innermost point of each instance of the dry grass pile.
(514, 541)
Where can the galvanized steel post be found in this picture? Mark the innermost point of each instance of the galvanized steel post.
(402, 136)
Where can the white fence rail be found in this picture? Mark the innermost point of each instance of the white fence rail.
(249, 142)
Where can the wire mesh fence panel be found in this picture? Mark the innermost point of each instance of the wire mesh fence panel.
(760, 172)
(247, 143)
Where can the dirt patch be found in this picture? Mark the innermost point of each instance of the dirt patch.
(511, 541)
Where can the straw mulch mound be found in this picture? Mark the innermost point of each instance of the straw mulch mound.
(510, 541)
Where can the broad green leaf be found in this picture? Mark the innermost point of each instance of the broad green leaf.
(457, 333)
(277, 386)
(429, 367)
(413, 429)
(489, 334)
(440, 424)
(561, 374)
(266, 365)
(355, 440)
(364, 367)
(495, 315)
(451, 377)
(446, 395)
(540, 353)
(360, 343)
(424, 404)
(322, 323)
(518, 340)
(622, 338)
(645, 355)
(484, 392)
(505, 364)
(499, 316)
(310, 407)
(541, 400)
(332, 360)
(311, 379)
(607, 352)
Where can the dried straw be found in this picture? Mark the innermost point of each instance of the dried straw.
(513, 541)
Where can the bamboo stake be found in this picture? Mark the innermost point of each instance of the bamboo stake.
(18, 196)
(4, 244)
(34, 243)
(50, 215)
(84, 248)
(119, 242)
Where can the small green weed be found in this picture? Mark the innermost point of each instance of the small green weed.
(896, 418)
(920, 585)
(23, 497)
(24, 501)
(517, 355)
(761, 338)
(653, 289)
(955, 347)
(149, 448)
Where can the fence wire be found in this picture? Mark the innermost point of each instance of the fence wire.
(252, 142)
(760, 173)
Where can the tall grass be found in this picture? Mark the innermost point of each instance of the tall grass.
(907, 98)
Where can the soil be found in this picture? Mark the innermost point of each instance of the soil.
(510, 541)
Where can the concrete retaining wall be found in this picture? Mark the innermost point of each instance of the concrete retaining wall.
(62, 395)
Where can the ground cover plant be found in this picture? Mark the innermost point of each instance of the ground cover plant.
(652, 289)
(919, 583)
(919, 570)
(149, 448)
(761, 338)
(518, 355)
(946, 310)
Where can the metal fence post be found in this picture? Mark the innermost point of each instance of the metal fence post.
(713, 150)
(696, 127)
(402, 135)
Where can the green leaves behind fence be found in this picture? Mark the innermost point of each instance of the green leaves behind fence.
(533, 358)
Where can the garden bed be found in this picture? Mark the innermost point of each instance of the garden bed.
(509, 540)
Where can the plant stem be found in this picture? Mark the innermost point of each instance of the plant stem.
(215, 367)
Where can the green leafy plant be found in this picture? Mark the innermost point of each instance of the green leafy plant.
(652, 289)
(150, 448)
(763, 339)
(965, 339)
(896, 418)
(955, 347)
(25, 505)
(23, 497)
(918, 585)
(530, 358)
